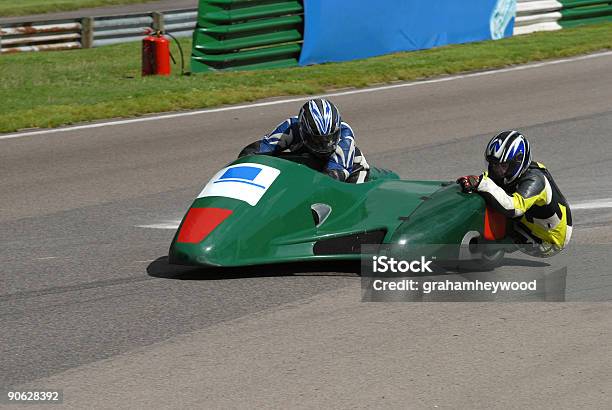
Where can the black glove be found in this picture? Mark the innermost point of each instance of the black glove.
(469, 183)
(336, 174)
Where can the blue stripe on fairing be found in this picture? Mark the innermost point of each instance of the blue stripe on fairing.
(240, 181)
(244, 172)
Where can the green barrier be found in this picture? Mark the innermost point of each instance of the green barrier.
(581, 12)
(570, 4)
(247, 34)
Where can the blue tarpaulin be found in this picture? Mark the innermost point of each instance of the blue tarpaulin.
(341, 30)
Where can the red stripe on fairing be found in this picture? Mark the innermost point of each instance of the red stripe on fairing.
(200, 222)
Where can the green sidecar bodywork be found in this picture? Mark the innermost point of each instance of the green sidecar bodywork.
(262, 209)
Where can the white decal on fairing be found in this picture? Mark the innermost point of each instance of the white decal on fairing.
(246, 182)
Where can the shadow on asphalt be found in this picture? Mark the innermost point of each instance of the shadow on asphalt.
(160, 268)
(524, 262)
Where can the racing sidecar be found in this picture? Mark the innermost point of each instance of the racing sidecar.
(262, 209)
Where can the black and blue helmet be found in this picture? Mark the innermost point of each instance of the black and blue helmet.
(508, 155)
(320, 126)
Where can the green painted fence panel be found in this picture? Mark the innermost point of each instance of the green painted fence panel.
(289, 21)
(247, 34)
(212, 45)
(219, 39)
(585, 13)
(576, 23)
(253, 11)
(569, 4)
(270, 57)
(581, 12)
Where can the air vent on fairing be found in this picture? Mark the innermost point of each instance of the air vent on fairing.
(320, 213)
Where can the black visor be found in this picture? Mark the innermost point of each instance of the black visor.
(498, 170)
(322, 144)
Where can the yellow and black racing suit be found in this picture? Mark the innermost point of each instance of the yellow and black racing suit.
(539, 210)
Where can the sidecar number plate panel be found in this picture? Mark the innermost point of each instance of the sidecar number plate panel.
(246, 182)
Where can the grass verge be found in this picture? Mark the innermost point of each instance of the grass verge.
(58, 88)
(10, 8)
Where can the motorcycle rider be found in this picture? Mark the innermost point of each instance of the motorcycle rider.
(319, 130)
(524, 191)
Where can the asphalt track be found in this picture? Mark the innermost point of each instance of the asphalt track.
(89, 305)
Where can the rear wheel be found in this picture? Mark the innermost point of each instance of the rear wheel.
(481, 256)
(493, 258)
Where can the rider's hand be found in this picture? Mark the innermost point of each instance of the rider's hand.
(336, 174)
(469, 183)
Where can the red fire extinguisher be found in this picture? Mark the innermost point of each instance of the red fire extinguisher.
(155, 55)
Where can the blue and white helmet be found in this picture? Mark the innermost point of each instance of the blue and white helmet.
(320, 126)
(508, 155)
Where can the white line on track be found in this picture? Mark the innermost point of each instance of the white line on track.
(596, 204)
(162, 225)
(291, 100)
